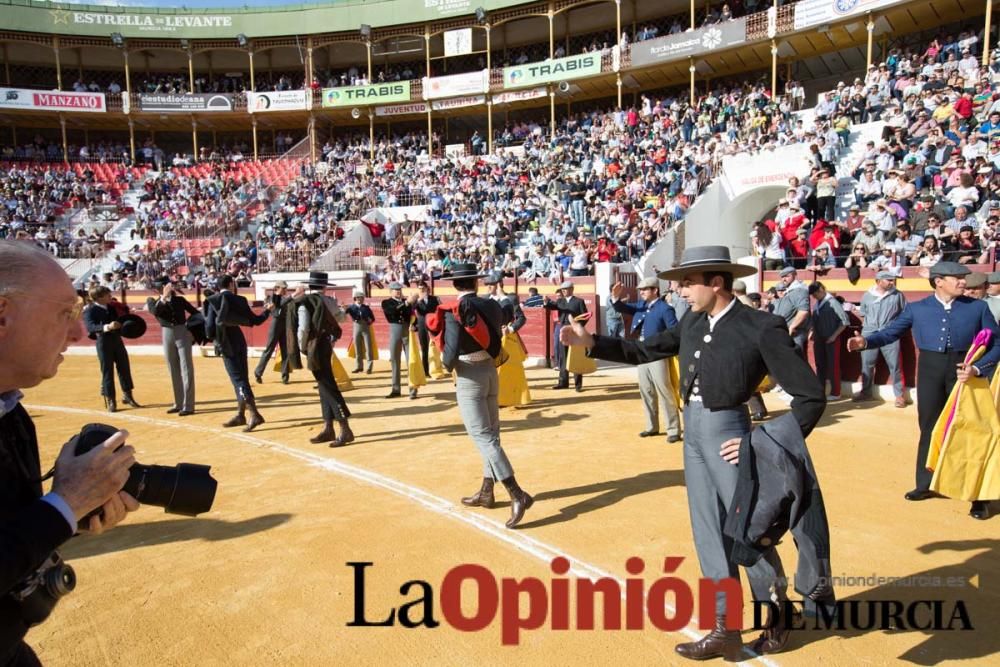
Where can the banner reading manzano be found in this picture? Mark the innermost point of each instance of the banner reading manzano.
(51, 100)
(549, 71)
(376, 93)
(693, 43)
(166, 102)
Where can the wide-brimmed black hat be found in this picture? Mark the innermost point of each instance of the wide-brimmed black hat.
(133, 326)
(465, 270)
(706, 258)
(318, 280)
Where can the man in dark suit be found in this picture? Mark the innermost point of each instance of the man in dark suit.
(569, 307)
(102, 322)
(278, 306)
(471, 340)
(225, 313)
(39, 319)
(364, 343)
(426, 303)
(171, 311)
(398, 312)
(725, 350)
(313, 329)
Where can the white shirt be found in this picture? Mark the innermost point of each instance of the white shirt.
(712, 319)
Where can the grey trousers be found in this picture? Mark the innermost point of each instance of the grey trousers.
(476, 389)
(363, 345)
(869, 358)
(399, 340)
(656, 389)
(710, 483)
(177, 349)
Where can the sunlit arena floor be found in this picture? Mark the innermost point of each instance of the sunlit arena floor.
(262, 579)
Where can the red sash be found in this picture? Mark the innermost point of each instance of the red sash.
(479, 331)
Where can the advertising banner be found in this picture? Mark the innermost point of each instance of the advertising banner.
(816, 12)
(688, 44)
(167, 103)
(376, 93)
(458, 102)
(550, 71)
(456, 84)
(51, 100)
(402, 109)
(457, 42)
(519, 95)
(283, 100)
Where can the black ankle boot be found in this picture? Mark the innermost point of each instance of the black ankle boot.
(129, 401)
(520, 501)
(326, 435)
(239, 419)
(483, 497)
(346, 434)
(256, 419)
(110, 404)
(719, 643)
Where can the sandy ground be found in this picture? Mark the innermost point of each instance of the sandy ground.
(262, 579)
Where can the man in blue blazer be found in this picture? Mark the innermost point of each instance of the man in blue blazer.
(944, 326)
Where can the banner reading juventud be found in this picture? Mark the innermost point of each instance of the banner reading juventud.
(550, 71)
(377, 93)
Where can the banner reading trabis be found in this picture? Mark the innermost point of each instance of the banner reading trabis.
(376, 93)
(51, 100)
(550, 71)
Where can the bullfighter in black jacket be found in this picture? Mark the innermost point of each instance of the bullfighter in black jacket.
(470, 333)
(225, 313)
(725, 350)
(101, 319)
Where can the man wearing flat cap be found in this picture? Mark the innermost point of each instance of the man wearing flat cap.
(725, 349)
(569, 307)
(650, 316)
(793, 306)
(944, 326)
(364, 345)
(278, 305)
(398, 313)
(993, 293)
(880, 305)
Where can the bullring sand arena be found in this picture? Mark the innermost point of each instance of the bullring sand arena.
(262, 579)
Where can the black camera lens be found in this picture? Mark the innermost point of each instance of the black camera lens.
(187, 488)
(59, 580)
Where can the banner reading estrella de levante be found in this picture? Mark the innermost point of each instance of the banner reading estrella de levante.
(550, 71)
(376, 93)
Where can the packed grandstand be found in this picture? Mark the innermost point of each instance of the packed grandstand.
(541, 159)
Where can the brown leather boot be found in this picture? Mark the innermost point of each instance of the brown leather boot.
(774, 638)
(346, 434)
(719, 643)
(326, 435)
(256, 419)
(483, 497)
(239, 419)
(520, 501)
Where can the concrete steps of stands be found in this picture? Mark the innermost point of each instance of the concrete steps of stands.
(859, 138)
(121, 234)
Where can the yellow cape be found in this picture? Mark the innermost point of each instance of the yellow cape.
(965, 444)
(578, 362)
(371, 331)
(416, 377)
(437, 368)
(513, 383)
(339, 374)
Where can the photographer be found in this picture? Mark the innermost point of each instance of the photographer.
(39, 318)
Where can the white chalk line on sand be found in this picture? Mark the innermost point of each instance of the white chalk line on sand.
(519, 540)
